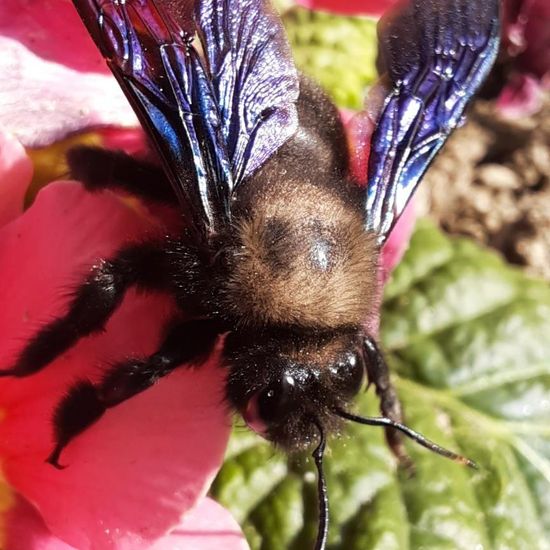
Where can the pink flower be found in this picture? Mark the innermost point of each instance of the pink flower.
(133, 475)
(526, 35)
(137, 478)
(54, 80)
(206, 527)
(525, 55)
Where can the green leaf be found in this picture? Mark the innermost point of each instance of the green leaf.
(468, 336)
(339, 52)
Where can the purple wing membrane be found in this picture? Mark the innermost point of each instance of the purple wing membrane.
(153, 63)
(212, 123)
(253, 76)
(437, 53)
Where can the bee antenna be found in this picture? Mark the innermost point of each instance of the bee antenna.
(415, 436)
(322, 492)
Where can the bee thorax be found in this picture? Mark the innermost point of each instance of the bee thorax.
(312, 267)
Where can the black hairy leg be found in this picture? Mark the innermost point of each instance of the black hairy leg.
(189, 342)
(93, 303)
(100, 169)
(378, 374)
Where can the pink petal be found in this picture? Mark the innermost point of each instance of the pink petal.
(52, 30)
(25, 530)
(15, 176)
(360, 127)
(526, 34)
(522, 96)
(55, 81)
(536, 57)
(130, 140)
(374, 8)
(39, 106)
(208, 526)
(148, 460)
(398, 241)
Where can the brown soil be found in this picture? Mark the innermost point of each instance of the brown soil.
(492, 182)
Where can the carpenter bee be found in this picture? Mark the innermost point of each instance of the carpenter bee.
(280, 246)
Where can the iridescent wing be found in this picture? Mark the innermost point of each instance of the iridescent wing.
(253, 77)
(436, 53)
(213, 121)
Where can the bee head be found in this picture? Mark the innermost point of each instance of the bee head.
(284, 383)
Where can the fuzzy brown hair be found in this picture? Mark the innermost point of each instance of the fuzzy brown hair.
(302, 258)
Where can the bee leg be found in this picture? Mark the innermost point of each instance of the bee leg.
(100, 169)
(93, 303)
(378, 374)
(85, 403)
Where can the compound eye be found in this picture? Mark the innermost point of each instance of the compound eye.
(270, 405)
(349, 374)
